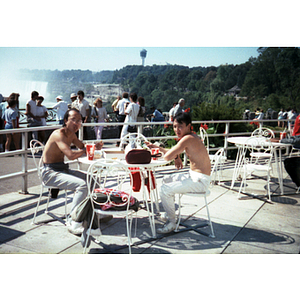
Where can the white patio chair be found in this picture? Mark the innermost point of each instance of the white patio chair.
(37, 149)
(261, 154)
(294, 151)
(100, 175)
(263, 132)
(204, 138)
(136, 140)
(218, 161)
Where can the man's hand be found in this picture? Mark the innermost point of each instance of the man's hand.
(178, 163)
(150, 145)
(99, 145)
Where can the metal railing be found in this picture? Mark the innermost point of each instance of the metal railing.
(23, 152)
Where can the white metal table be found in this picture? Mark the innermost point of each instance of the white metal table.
(145, 172)
(240, 142)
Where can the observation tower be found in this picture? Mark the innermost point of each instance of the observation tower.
(143, 55)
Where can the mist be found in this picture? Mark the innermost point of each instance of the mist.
(10, 83)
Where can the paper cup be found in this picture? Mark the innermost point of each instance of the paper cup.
(90, 151)
(282, 135)
(154, 151)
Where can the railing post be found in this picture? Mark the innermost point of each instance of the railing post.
(227, 125)
(80, 134)
(24, 163)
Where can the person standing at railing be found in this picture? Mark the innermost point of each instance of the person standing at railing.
(16, 136)
(2, 110)
(121, 106)
(99, 113)
(10, 116)
(114, 106)
(171, 111)
(32, 118)
(62, 108)
(141, 114)
(73, 98)
(42, 112)
(84, 108)
(131, 113)
(296, 129)
(178, 108)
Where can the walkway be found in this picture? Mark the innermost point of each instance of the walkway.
(247, 225)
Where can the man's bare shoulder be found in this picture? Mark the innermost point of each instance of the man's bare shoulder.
(58, 134)
(190, 138)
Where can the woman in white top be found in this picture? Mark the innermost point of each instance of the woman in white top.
(42, 112)
(99, 113)
(131, 113)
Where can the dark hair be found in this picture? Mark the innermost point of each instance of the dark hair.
(34, 94)
(67, 114)
(125, 95)
(133, 96)
(183, 118)
(40, 98)
(141, 101)
(80, 93)
(11, 102)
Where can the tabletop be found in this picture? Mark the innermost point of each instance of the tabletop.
(152, 164)
(241, 140)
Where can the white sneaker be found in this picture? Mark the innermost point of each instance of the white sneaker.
(75, 228)
(168, 227)
(164, 217)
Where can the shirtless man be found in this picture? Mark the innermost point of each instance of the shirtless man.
(57, 173)
(197, 180)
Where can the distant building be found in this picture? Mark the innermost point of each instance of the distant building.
(234, 91)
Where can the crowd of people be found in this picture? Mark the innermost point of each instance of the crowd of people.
(128, 109)
(286, 118)
(9, 119)
(37, 114)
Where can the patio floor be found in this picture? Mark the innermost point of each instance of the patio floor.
(247, 225)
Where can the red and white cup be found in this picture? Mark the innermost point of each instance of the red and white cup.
(90, 151)
(154, 151)
(282, 135)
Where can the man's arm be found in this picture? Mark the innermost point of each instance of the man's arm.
(87, 115)
(170, 154)
(28, 111)
(66, 150)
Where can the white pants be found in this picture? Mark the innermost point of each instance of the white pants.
(98, 132)
(180, 184)
(59, 175)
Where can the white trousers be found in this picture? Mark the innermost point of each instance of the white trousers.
(180, 184)
(98, 132)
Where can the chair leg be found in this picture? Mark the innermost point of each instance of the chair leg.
(48, 200)
(66, 204)
(179, 213)
(37, 206)
(128, 227)
(209, 221)
(88, 233)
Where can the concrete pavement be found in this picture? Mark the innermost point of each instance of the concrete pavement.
(246, 225)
